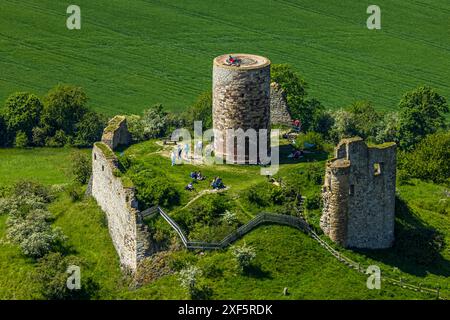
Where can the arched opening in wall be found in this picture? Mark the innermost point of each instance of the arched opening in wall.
(95, 156)
(103, 168)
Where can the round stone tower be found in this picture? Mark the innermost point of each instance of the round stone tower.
(241, 100)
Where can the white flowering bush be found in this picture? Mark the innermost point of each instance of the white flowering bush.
(21, 205)
(34, 233)
(244, 255)
(230, 217)
(188, 278)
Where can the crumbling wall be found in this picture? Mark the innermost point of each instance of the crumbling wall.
(116, 196)
(279, 110)
(359, 195)
(116, 133)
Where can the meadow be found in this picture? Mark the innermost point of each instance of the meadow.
(129, 55)
(285, 257)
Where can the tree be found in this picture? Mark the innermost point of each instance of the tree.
(244, 256)
(366, 119)
(359, 119)
(387, 130)
(22, 112)
(344, 125)
(323, 123)
(201, 110)
(52, 277)
(155, 121)
(136, 127)
(81, 166)
(64, 107)
(3, 132)
(21, 140)
(89, 130)
(307, 110)
(430, 159)
(422, 112)
(33, 233)
(188, 278)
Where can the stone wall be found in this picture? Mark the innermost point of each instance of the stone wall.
(279, 110)
(359, 195)
(241, 99)
(116, 133)
(116, 196)
(129, 235)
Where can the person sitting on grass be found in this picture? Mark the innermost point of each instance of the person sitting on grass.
(193, 175)
(217, 183)
(200, 177)
(189, 187)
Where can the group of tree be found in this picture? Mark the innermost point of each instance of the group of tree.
(419, 125)
(29, 225)
(60, 118)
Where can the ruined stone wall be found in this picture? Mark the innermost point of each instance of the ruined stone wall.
(363, 195)
(116, 133)
(116, 197)
(279, 110)
(241, 98)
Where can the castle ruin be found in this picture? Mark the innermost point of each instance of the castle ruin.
(359, 195)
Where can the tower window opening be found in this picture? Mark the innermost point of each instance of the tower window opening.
(351, 190)
(377, 169)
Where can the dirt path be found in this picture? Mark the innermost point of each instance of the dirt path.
(202, 193)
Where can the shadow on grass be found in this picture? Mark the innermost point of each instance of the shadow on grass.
(286, 149)
(417, 248)
(255, 271)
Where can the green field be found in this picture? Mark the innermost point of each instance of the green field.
(132, 54)
(46, 165)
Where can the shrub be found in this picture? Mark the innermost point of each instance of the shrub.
(265, 194)
(75, 193)
(20, 205)
(429, 160)
(155, 191)
(136, 127)
(38, 136)
(33, 233)
(155, 122)
(81, 166)
(313, 202)
(201, 110)
(209, 209)
(21, 140)
(189, 277)
(27, 188)
(60, 139)
(311, 141)
(244, 256)
(52, 277)
(230, 217)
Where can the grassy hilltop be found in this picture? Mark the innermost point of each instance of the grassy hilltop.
(132, 54)
(285, 256)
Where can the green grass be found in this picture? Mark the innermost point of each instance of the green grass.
(285, 256)
(129, 55)
(46, 165)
